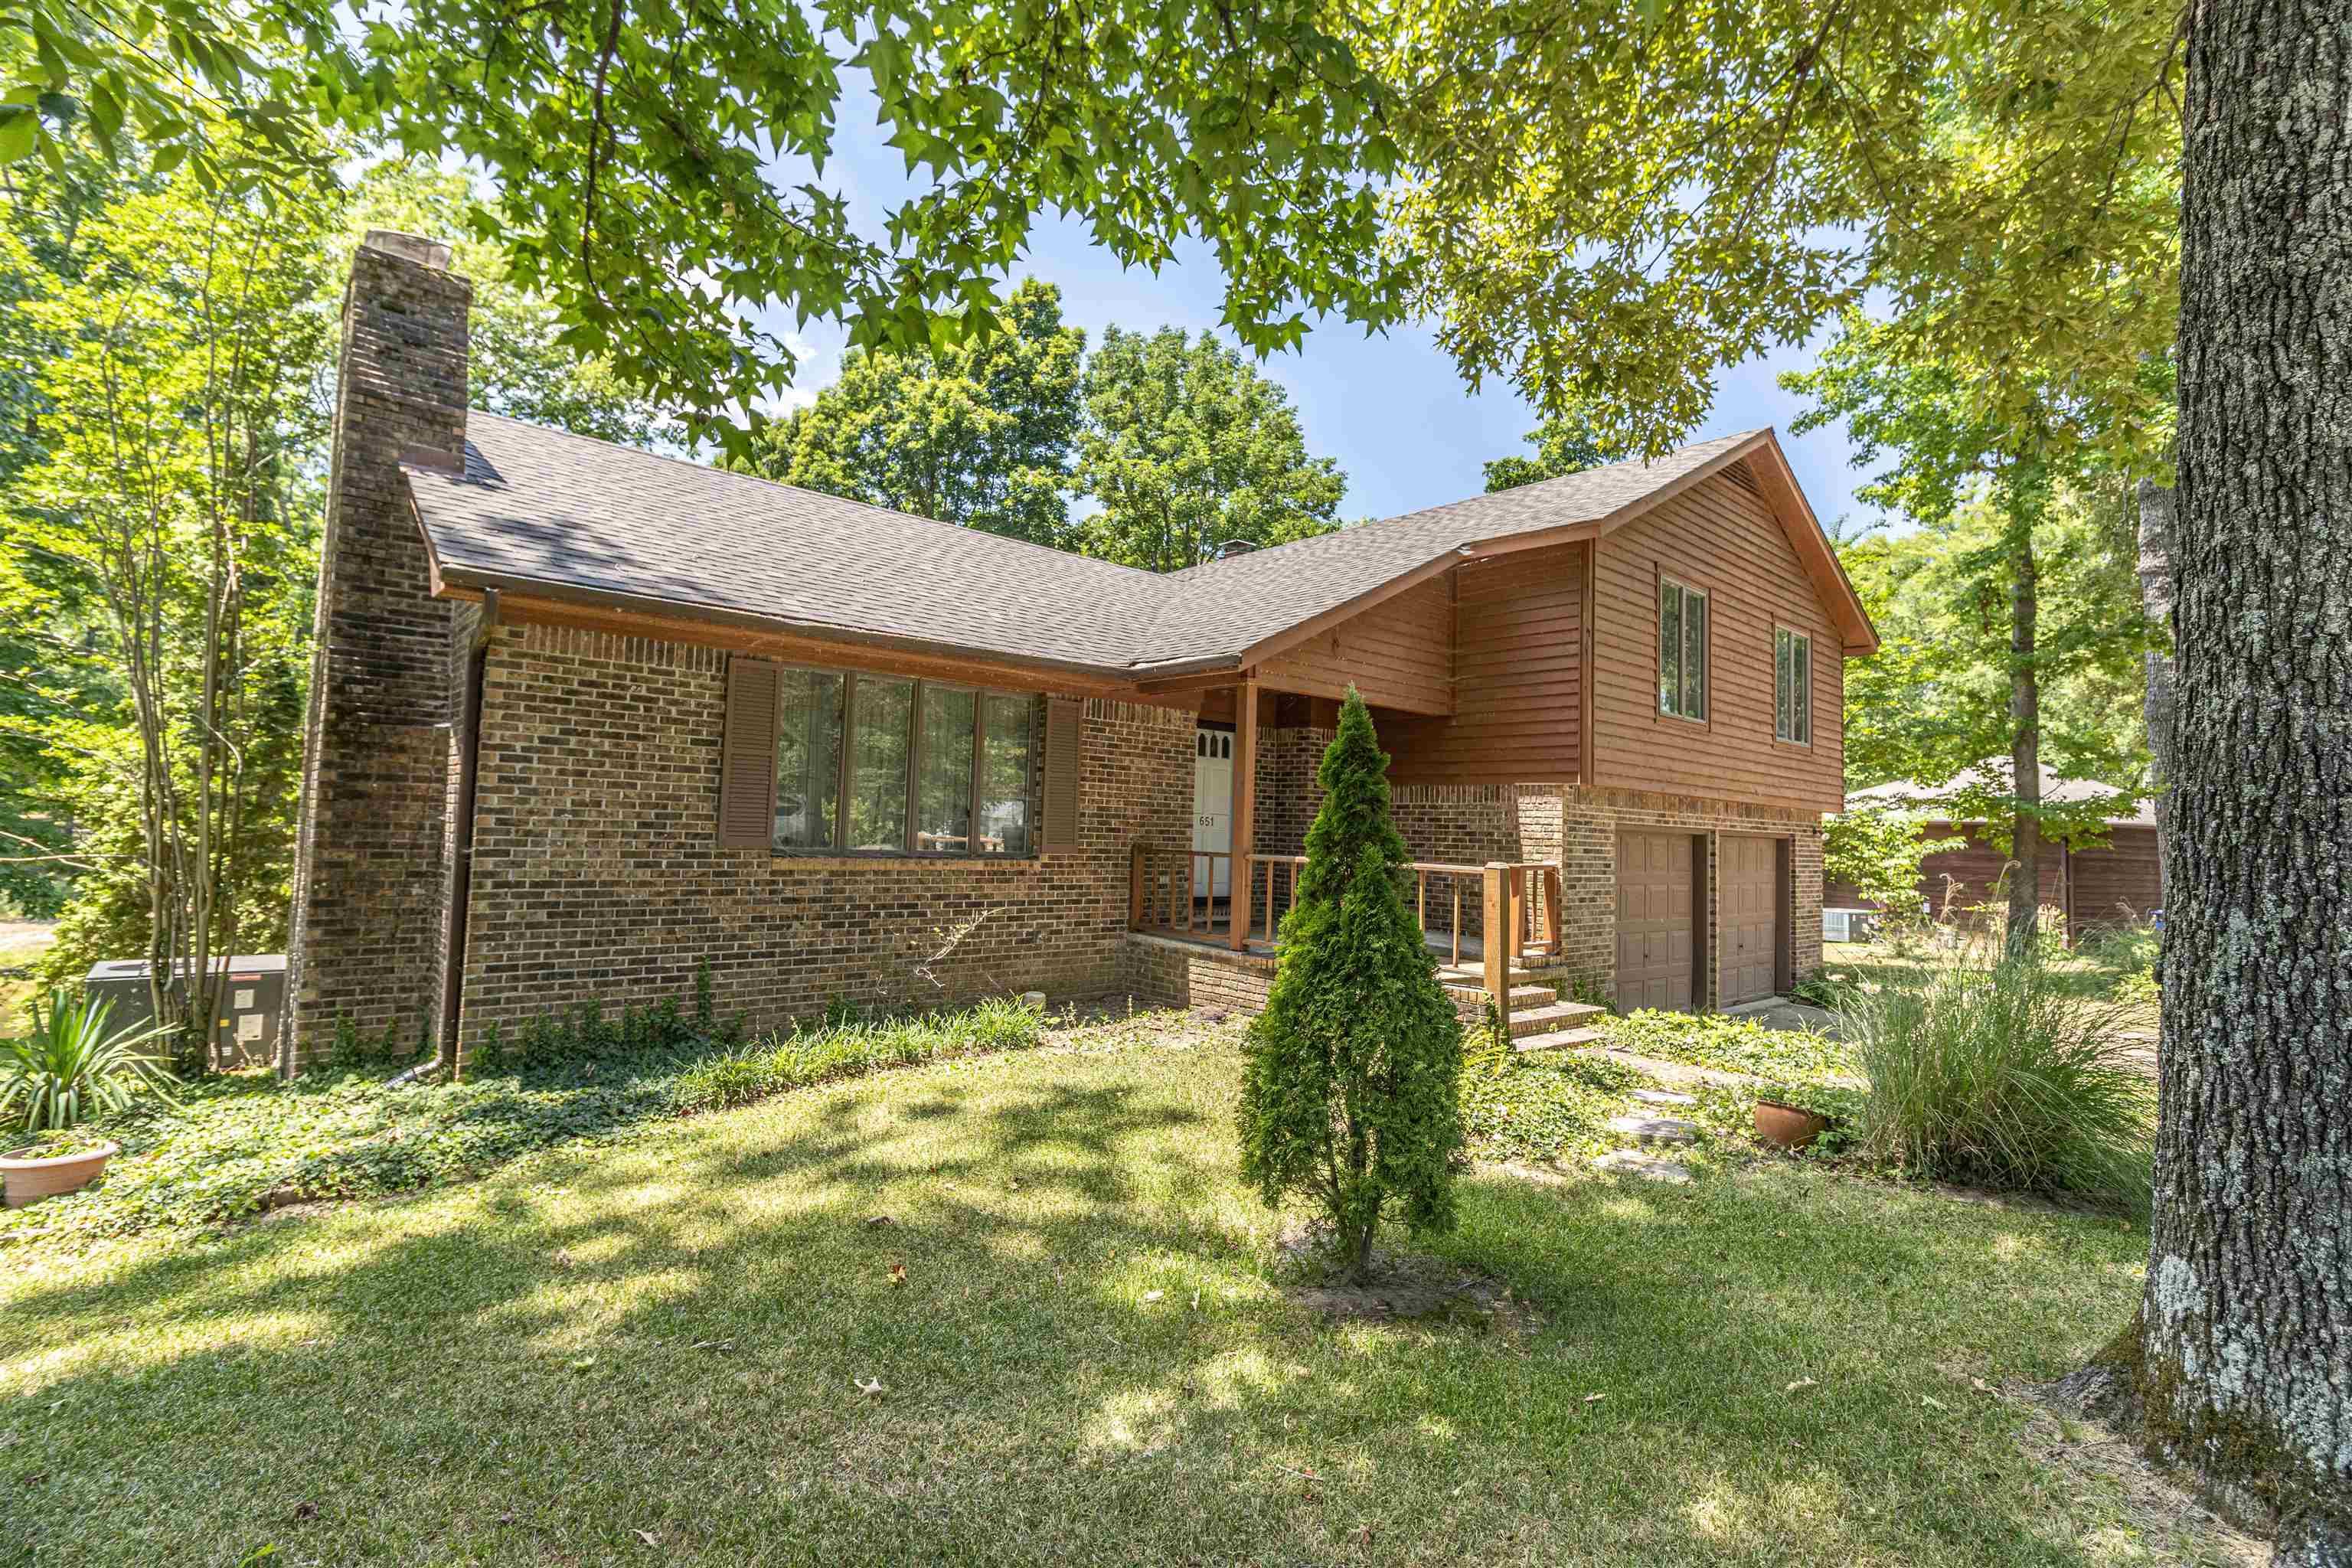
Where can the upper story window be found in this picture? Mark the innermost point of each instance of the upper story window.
(881, 764)
(1792, 685)
(1682, 651)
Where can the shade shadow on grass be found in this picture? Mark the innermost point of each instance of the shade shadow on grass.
(670, 1337)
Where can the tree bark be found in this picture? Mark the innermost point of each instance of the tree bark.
(2025, 734)
(2241, 1354)
(2157, 531)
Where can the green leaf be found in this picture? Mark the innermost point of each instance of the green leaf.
(20, 131)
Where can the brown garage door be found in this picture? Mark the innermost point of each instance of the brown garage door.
(1751, 918)
(1656, 952)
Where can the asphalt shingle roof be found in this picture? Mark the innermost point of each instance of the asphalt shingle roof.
(536, 506)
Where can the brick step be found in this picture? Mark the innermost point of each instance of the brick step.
(1535, 997)
(1558, 1015)
(1554, 1039)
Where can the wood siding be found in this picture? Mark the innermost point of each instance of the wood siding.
(1518, 677)
(1399, 654)
(2116, 884)
(1722, 539)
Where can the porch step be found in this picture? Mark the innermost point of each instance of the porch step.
(1558, 1015)
(1475, 977)
(1554, 1039)
(1533, 998)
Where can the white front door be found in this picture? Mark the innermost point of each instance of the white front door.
(1213, 803)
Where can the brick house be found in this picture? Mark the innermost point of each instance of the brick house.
(584, 717)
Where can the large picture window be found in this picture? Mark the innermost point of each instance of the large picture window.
(1682, 651)
(1792, 685)
(880, 764)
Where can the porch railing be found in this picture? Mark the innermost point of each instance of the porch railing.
(1173, 892)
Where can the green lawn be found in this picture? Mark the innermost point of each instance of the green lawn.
(653, 1352)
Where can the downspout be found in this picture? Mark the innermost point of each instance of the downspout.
(461, 878)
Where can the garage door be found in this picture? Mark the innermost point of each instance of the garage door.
(1751, 918)
(1656, 952)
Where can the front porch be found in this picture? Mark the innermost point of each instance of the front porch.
(1173, 906)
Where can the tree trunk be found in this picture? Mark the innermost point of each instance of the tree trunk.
(2156, 535)
(2241, 1354)
(2025, 736)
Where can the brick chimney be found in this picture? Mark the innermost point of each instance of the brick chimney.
(368, 873)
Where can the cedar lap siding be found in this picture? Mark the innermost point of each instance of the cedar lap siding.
(543, 748)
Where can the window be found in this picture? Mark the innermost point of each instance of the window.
(808, 759)
(1682, 651)
(1792, 685)
(878, 764)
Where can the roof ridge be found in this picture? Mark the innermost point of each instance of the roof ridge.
(713, 469)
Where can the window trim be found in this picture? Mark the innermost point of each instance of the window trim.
(844, 767)
(1705, 719)
(1779, 630)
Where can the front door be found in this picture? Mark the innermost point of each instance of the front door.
(1213, 805)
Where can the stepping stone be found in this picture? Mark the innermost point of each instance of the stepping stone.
(1654, 1129)
(1663, 1096)
(1633, 1162)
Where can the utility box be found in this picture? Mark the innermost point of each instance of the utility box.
(248, 1019)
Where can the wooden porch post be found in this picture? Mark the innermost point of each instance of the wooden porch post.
(1494, 941)
(1244, 813)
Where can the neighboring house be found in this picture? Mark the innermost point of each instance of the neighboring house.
(585, 718)
(2113, 883)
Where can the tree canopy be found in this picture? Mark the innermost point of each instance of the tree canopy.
(1189, 449)
(1564, 444)
(656, 169)
(979, 433)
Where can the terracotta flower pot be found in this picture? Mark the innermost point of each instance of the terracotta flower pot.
(30, 1178)
(1786, 1126)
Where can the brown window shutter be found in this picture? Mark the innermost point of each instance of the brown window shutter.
(747, 755)
(1061, 825)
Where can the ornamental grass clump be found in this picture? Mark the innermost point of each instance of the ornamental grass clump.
(1999, 1073)
(1351, 1090)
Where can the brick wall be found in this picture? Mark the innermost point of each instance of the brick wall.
(596, 869)
(368, 859)
(1165, 973)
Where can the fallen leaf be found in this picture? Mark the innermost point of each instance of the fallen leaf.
(583, 1364)
(1980, 1385)
(506, 1518)
(877, 1222)
(647, 1537)
(871, 1388)
(898, 1274)
(1800, 1383)
(1933, 1402)
(1153, 1295)
(1595, 1398)
(306, 1511)
(1364, 1536)
(1196, 1301)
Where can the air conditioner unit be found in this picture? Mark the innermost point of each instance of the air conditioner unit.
(1849, 925)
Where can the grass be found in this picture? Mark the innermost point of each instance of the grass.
(654, 1351)
(230, 1146)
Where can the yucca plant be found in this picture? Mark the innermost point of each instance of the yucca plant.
(1996, 1072)
(70, 1067)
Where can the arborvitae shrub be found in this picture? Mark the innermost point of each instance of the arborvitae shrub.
(1351, 1090)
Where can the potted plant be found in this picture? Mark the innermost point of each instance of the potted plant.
(67, 1069)
(1786, 1126)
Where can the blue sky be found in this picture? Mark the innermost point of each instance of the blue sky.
(1406, 430)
